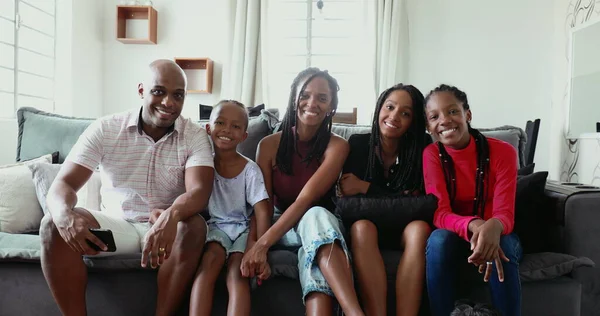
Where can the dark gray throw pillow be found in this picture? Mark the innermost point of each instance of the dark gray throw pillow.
(258, 128)
(533, 220)
(387, 212)
(527, 170)
(550, 265)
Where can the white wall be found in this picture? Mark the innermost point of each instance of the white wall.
(9, 132)
(499, 53)
(197, 28)
(79, 51)
(88, 93)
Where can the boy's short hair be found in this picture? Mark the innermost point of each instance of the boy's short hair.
(238, 103)
(469, 308)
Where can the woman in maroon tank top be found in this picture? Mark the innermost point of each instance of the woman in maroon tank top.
(300, 165)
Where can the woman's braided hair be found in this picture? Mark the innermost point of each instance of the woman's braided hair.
(410, 145)
(287, 145)
(483, 156)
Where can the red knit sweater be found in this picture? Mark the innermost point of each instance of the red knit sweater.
(501, 186)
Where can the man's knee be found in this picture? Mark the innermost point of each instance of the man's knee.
(48, 231)
(191, 235)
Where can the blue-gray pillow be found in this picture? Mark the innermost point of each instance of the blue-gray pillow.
(42, 133)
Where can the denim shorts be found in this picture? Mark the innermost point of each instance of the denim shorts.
(231, 246)
(316, 228)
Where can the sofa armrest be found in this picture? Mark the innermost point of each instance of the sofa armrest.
(577, 211)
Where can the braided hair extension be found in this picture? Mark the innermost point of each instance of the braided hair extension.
(483, 156)
(287, 145)
(410, 146)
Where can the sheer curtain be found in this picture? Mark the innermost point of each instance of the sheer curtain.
(244, 79)
(363, 43)
(388, 27)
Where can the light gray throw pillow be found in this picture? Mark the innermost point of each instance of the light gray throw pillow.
(43, 175)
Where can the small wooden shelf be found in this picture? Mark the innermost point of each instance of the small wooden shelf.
(136, 12)
(199, 72)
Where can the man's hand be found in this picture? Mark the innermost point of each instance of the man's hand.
(350, 184)
(154, 214)
(254, 262)
(159, 239)
(485, 242)
(74, 228)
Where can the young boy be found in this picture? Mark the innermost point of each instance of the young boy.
(238, 189)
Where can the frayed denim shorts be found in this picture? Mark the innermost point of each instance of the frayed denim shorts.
(316, 228)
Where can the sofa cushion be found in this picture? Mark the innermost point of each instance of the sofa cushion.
(43, 175)
(42, 133)
(512, 135)
(347, 130)
(20, 246)
(20, 211)
(550, 265)
(527, 170)
(258, 128)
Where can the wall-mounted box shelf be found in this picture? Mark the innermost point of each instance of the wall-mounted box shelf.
(199, 72)
(131, 13)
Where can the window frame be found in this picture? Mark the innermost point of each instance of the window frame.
(17, 25)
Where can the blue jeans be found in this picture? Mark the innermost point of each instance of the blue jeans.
(446, 251)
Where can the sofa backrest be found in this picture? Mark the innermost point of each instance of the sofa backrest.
(42, 133)
(510, 134)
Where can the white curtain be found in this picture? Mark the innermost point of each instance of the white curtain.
(243, 82)
(388, 27)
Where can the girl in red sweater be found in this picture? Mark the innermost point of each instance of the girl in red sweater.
(474, 179)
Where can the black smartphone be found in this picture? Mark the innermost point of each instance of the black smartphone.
(106, 236)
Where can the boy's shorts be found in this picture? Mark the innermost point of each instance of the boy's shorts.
(231, 246)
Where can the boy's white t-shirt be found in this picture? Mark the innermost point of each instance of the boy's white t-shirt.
(232, 200)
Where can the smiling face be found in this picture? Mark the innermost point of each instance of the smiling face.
(447, 120)
(163, 94)
(314, 103)
(227, 128)
(396, 114)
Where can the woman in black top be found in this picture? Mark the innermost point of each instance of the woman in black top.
(388, 161)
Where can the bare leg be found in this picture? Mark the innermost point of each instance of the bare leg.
(411, 270)
(337, 271)
(63, 268)
(318, 304)
(204, 284)
(176, 273)
(238, 287)
(370, 269)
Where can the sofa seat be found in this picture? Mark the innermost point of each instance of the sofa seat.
(120, 286)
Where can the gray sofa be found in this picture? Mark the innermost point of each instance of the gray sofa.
(552, 284)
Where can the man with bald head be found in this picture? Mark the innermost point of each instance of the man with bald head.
(157, 174)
